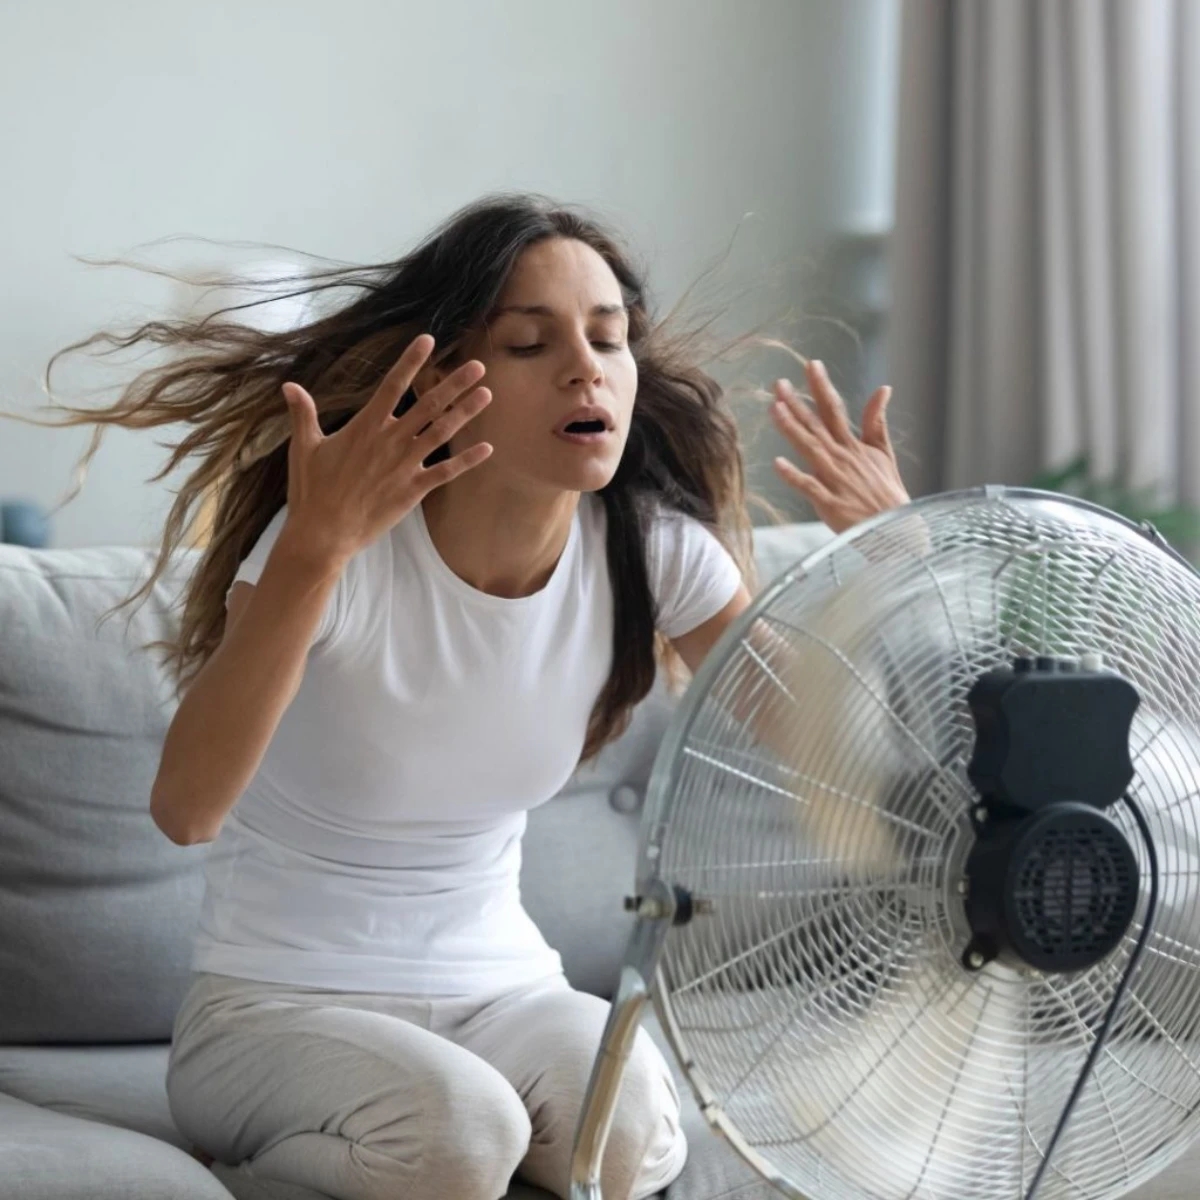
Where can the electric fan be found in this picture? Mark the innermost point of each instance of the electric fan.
(919, 870)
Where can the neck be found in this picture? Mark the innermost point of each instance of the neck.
(498, 539)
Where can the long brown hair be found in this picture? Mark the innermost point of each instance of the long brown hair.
(223, 378)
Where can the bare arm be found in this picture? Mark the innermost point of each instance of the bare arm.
(693, 647)
(344, 491)
(228, 716)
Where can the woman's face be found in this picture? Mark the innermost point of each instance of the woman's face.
(562, 377)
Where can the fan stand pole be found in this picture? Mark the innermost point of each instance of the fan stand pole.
(655, 913)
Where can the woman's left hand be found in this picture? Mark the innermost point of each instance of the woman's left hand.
(850, 477)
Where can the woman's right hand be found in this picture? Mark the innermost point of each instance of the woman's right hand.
(347, 488)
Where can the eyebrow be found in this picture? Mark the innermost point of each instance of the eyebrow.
(540, 310)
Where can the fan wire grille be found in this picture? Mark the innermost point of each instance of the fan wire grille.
(816, 795)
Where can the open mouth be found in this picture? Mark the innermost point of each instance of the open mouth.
(588, 425)
(584, 427)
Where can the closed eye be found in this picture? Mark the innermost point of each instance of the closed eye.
(534, 347)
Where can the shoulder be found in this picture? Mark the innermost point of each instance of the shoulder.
(673, 537)
(692, 575)
(364, 577)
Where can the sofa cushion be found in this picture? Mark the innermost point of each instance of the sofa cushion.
(96, 906)
(117, 1085)
(49, 1156)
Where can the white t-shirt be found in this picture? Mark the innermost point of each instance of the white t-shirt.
(378, 846)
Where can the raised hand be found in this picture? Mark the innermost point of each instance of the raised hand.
(347, 488)
(850, 477)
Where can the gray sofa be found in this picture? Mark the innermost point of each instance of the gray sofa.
(97, 907)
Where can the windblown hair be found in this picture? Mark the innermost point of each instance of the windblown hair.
(222, 379)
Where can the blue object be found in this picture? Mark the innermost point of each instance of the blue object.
(24, 523)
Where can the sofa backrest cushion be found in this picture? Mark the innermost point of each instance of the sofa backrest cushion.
(96, 905)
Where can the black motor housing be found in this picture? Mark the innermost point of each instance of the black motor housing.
(1052, 880)
(1045, 734)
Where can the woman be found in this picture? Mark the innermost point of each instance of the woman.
(499, 495)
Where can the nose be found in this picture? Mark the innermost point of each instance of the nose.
(582, 365)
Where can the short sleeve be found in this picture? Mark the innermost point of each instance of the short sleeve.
(251, 568)
(692, 576)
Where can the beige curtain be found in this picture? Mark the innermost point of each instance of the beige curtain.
(1045, 263)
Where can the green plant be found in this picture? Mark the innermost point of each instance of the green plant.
(1042, 598)
(1179, 523)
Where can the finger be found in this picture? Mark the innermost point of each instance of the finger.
(874, 421)
(439, 432)
(441, 396)
(302, 412)
(441, 473)
(830, 405)
(398, 380)
(801, 411)
(808, 486)
(799, 427)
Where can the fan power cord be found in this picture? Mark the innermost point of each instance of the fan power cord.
(1115, 1003)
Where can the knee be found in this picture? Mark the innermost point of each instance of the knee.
(646, 1145)
(475, 1132)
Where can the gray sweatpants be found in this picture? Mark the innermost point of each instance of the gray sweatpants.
(369, 1096)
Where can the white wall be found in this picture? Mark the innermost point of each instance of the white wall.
(347, 129)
